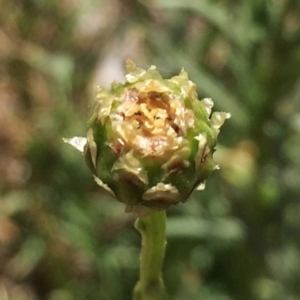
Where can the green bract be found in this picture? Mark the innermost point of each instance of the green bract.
(150, 141)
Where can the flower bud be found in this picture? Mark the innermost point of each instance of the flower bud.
(150, 141)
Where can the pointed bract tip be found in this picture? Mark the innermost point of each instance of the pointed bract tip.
(77, 142)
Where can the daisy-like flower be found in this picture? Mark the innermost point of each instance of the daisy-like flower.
(150, 141)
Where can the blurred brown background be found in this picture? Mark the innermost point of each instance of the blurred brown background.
(60, 238)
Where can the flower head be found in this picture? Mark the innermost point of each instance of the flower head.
(150, 141)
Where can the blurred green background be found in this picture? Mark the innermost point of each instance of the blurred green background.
(60, 237)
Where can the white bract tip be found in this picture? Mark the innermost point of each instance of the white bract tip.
(77, 142)
(167, 192)
(218, 119)
(208, 103)
(216, 167)
(201, 186)
(103, 185)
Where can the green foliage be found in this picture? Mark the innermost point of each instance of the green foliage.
(61, 238)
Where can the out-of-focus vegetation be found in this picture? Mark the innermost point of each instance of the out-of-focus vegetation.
(60, 237)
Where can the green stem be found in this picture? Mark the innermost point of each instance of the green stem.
(153, 231)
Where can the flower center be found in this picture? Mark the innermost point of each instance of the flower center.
(151, 123)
